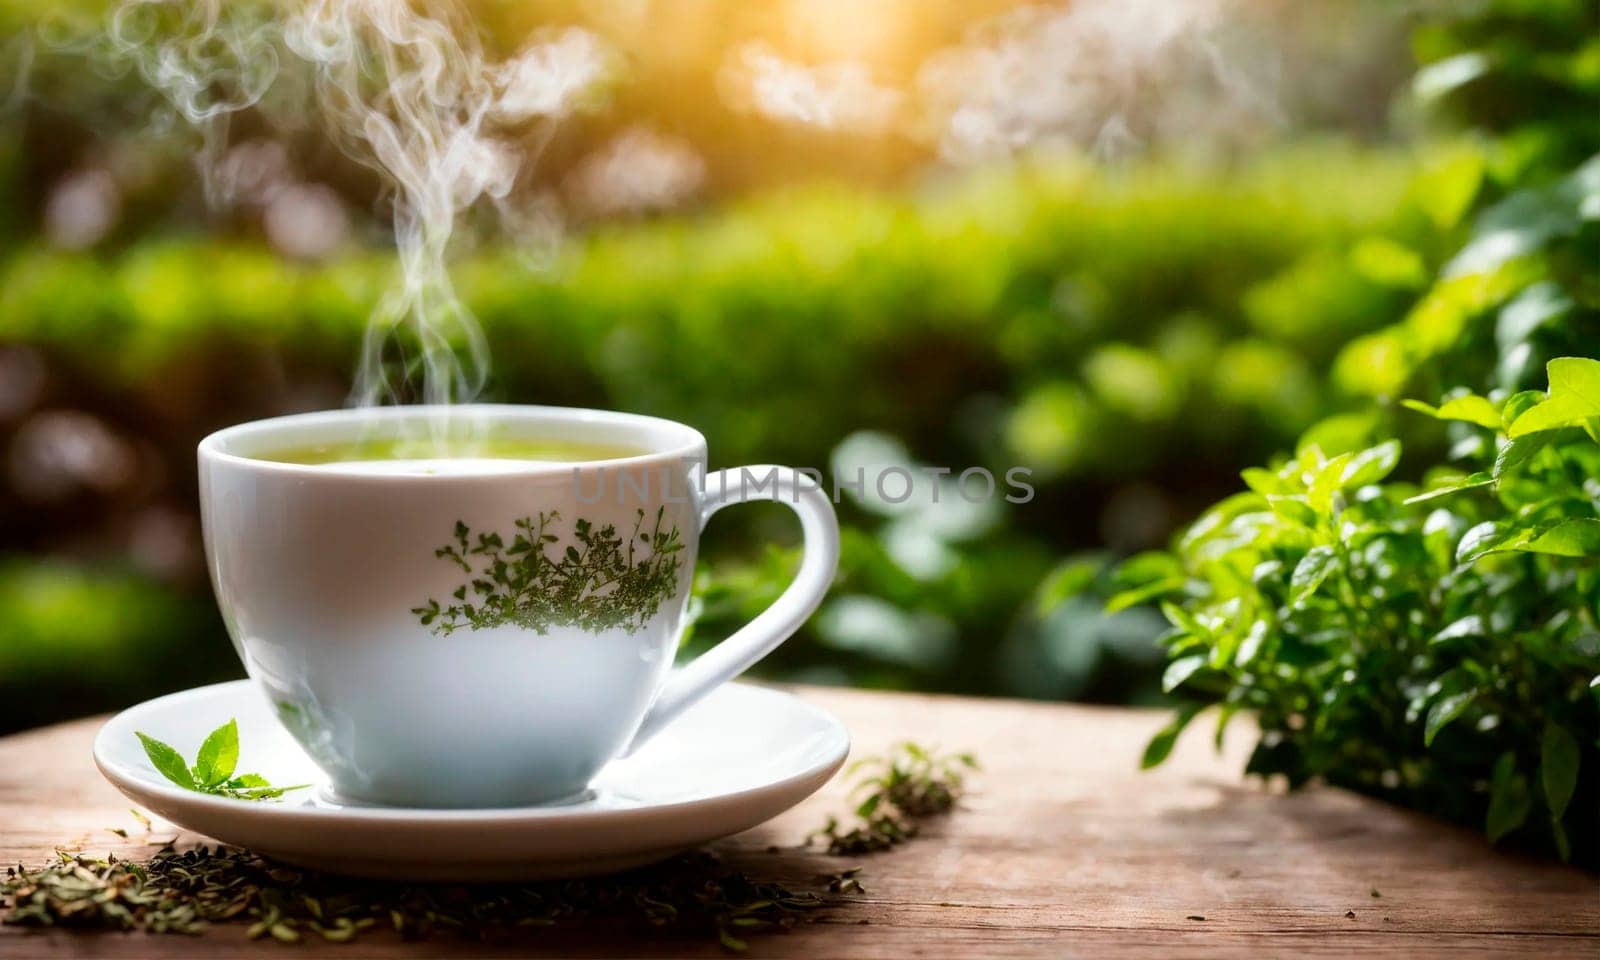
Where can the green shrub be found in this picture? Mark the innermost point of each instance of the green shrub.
(873, 310)
(1437, 642)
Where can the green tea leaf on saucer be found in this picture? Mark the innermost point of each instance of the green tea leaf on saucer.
(168, 761)
(213, 767)
(218, 755)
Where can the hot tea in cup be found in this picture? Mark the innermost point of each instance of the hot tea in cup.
(478, 606)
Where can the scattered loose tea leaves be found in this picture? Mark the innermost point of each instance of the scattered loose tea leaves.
(213, 769)
(1194, 916)
(909, 784)
(184, 892)
(693, 894)
(846, 881)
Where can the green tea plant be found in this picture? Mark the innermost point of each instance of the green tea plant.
(1436, 644)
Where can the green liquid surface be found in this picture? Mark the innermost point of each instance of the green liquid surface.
(426, 448)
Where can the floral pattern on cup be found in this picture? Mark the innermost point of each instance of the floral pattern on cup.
(604, 580)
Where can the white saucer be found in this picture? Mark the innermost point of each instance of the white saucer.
(738, 758)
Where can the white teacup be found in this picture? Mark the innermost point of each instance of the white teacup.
(421, 664)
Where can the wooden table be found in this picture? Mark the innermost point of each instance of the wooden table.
(1064, 848)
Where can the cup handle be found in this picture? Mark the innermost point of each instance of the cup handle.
(759, 637)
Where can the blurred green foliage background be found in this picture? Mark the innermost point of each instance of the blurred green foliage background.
(1134, 330)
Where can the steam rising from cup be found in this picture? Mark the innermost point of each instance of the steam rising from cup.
(1100, 74)
(404, 88)
(1088, 72)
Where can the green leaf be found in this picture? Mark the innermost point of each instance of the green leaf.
(1468, 482)
(1309, 573)
(1563, 845)
(1468, 626)
(1489, 537)
(1251, 644)
(1444, 710)
(1553, 414)
(1515, 453)
(1138, 595)
(218, 755)
(167, 761)
(1578, 537)
(1185, 621)
(1371, 464)
(1577, 377)
(1558, 768)
(1329, 480)
(1264, 482)
(1214, 520)
(1470, 408)
(1180, 670)
(1160, 745)
(1518, 404)
(1294, 509)
(1065, 582)
(1223, 716)
(1509, 798)
(213, 768)
(1146, 567)
(1574, 397)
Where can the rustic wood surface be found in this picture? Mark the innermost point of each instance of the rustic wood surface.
(1064, 848)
